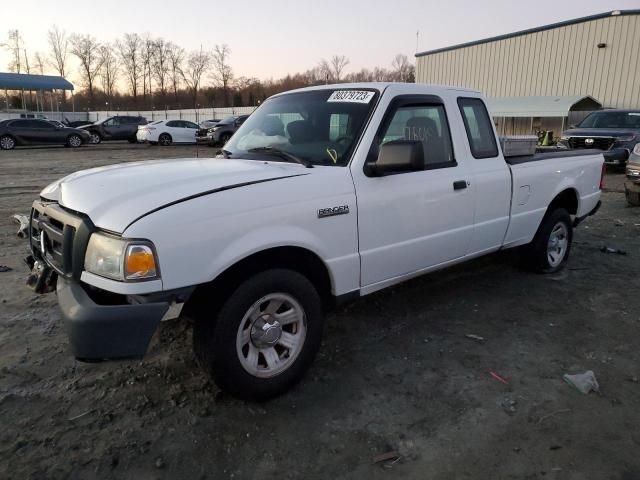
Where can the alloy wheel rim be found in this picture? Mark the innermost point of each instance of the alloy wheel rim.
(7, 143)
(557, 244)
(271, 335)
(95, 138)
(75, 141)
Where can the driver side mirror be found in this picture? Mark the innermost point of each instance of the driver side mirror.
(396, 157)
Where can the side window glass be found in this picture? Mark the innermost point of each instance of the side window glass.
(172, 123)
(477, 123)
(428, 125)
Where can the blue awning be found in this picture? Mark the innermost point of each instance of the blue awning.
(20, 81)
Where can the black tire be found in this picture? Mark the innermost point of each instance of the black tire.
(536, 255)
(7, 142)
(224, 138)
(95, 138)
(165, 139)
(214, 339)
(633, 198)
(74, 141)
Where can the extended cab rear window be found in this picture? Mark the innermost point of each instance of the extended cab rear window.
(477, 123)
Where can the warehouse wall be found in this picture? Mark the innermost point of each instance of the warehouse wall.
(560, 61)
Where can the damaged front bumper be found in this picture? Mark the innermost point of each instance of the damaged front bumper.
(104, 332)
(100, 324)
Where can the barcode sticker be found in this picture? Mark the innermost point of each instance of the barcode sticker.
(351, 96)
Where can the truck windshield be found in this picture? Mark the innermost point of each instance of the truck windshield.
(611, 120)
(320, 127)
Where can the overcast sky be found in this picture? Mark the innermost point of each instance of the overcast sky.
(270, 38)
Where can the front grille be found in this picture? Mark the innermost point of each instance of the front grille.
(58, 237)
(600, 143)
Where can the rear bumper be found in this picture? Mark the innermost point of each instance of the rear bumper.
(104, 332)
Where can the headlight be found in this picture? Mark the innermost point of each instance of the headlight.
(636, 149)
(120, 259)
(628, 138)
(565, 137)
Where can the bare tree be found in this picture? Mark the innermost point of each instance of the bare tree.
(338, 64)
(198, 63)
(14, 45)
(403, 71)
(161, 64)
(147, 50)
(176, 59)
(109, 71)
(39, 62)
(129, 49)
(324, 69)
(87, 49)
(59, 44)
(222, 71)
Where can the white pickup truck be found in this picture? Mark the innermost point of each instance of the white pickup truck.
(324, 194)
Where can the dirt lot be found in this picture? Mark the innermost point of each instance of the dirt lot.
(396, 372)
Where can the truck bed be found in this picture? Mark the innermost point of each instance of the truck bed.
(536, 157)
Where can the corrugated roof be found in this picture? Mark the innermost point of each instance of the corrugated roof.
(533, 30)
(19, 81)
(540, 106)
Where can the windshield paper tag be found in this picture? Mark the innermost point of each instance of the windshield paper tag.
(351, 96)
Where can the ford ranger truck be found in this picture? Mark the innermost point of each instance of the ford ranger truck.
(324, 194)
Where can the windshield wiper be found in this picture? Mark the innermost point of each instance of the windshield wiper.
(282, 154)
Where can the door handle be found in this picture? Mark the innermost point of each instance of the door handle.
(459, 184)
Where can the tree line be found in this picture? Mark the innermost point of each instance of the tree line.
(159, 74)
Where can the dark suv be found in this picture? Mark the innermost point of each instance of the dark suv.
(616, 132)
(115, 128)
(220, 133)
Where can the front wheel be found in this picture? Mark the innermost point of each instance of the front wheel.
(7, 142)
(74, 141)
(265, 336)
(95, 138)
(633, 198)
(549, 250)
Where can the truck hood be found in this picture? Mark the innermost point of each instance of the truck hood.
(601, 132)
(115, 196)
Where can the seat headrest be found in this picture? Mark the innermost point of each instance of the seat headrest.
(272, 126)
(300, 131)
(420, 128)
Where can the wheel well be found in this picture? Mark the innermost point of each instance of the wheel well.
(298, 259)
(567, 199)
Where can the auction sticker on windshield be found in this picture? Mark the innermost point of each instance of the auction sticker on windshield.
(352, 96)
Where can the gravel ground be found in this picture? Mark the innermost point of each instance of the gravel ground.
(396, 373)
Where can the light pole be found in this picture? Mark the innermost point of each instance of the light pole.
(106, 107)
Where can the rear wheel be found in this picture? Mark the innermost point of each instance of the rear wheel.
(74, 141)
(224, 138)
(7, 142)
(264, 337)
(165, 140)
(95, 138)
(549, 250)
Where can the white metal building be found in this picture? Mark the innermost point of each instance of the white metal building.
(598, 56)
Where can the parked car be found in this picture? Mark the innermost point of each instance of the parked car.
(115, 128)
(39, 132)
(224, 129)
(632, 183)
(167, 132)
(209, 123)
(615, 132)
(57, 123)
(323, 195)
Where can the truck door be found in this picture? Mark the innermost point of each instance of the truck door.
(411, 221)
(491, 177)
